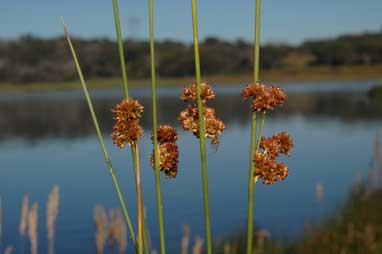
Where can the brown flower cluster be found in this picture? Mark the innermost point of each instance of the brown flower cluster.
(127, 128)
(263, 97)
(168, 151)
(190, 93)
(189, 117)
(266, 164)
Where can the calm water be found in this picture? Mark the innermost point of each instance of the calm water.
(47, 138)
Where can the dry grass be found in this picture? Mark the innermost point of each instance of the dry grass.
(186, 239)
(24, 215)
(52, 211)
(117, 229)
(100, 219)
(198, 245)
(33, 225)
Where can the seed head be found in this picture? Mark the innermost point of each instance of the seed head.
(128, 109)
(166, 133)
(266, 165)
(168, 159)
(127, 128)
(285, 142)
(189, 120)
(268, 169)
(263, 97)
(190, 93)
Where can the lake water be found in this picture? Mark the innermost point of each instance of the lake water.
(47, 138)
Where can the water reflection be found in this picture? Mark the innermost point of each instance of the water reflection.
(67, 116)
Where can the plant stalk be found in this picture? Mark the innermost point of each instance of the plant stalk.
(251, 184)
(126, 92)
(252, 169)
(100, 137)
(135, 153)
(155, 134)
(120, 47)
(201, 130)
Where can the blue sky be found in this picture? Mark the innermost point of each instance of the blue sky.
(282, 20)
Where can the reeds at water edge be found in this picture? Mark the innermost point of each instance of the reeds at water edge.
(186, 239)
(100, 220)
(33, 228)
(117, 229)
(110, 230)
(198, 246)
(8, 250)
(24, 215)
(51, 215)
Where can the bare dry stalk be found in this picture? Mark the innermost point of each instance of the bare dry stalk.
(198, 246)
(32, 226)
(100, 220)
(185, 239)
(24, 215)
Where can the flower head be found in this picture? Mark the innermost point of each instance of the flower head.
(168, 159)
(127, 128)
(268, 169)
(166, 133)
(285, 142)
(128, 109)
(190, 93)
(214, 127)
(263, 97)
(266, 166)
(168, 154)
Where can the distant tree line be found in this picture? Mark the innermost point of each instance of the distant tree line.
(30, 59)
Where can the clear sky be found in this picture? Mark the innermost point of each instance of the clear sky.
(282, 20)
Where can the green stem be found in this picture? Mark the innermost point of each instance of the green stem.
(155, 134)
(120, 47)
(256, 51)
(251, 182)
(100, 137)
(201, 130)
(262, 121)
(126, 91)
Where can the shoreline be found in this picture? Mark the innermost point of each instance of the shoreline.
(305, 74)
